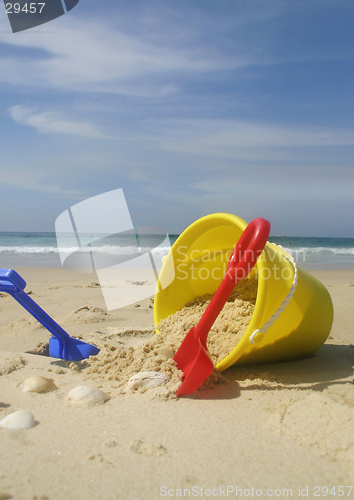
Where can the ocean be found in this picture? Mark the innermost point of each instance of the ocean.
(41, 250)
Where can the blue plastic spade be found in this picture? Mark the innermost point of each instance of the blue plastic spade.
(62, 345)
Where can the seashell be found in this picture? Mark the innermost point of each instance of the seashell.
(84, 395)
(144, 379)
(38, 384)
(20, 420)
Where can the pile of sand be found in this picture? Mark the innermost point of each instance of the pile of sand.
(116, 363)
(229, 326)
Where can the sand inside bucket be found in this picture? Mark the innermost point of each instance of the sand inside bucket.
(229, 326)
(115, 364)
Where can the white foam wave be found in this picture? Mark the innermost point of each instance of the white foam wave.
(108, 249)
(122, 250)
(320, 250)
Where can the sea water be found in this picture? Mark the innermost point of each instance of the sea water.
(19, 249)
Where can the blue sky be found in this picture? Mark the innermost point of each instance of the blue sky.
(190, 106)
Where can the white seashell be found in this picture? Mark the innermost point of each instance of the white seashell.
(144, 379)
(84, 395)
(21, 419)
(38, 384)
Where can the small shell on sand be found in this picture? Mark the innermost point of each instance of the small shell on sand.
(38, 384)
(144, 379)
(84, 395)
(19, 420)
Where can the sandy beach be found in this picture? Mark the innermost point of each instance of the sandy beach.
(273, 430)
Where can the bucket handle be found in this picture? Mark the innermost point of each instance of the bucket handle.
(257, 335)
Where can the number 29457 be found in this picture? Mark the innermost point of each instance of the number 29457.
(27, 8)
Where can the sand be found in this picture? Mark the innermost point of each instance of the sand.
(228, 327)
(280, 426)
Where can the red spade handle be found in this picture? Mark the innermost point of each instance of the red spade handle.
(248, 249)
(246, 252)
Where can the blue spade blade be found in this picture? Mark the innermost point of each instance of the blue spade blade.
(75, 351)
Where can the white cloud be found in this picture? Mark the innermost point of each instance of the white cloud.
(239, 140)
(15, 177)
(142, 53)
(92, 56)
(282, 185)
(53, 123)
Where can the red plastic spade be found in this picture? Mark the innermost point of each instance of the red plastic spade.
(193, 357)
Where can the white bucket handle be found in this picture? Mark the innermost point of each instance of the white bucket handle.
(257, 335)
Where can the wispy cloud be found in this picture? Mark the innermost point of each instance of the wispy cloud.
(148, 56)
(243, 140)
(53, 123)
(283, 184)
(92, 56)
(29, 182)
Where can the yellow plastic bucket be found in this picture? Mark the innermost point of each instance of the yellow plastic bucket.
(196, 265)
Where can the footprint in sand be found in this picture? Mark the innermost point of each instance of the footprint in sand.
(318, 421)
(156, 450)
(97, 459)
